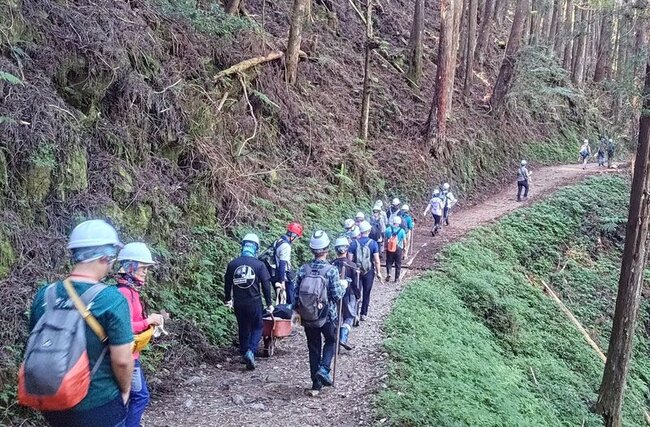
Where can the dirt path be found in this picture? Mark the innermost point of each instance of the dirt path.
(274, 394)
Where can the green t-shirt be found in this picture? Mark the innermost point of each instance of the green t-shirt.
(112, 312)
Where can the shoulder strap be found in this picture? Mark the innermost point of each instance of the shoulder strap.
(50, 296)
(83, 308)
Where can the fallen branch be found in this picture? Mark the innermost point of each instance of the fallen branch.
(359, 14)
(245, 65)
(241, 148)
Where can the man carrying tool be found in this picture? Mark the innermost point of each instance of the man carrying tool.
(347, 271)
(364, 252)
(319, 293)
(242, 281)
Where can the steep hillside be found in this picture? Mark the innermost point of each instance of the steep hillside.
(110, 108)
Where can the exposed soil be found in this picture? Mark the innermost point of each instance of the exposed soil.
(274, 394)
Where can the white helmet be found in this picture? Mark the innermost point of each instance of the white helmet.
(354, 233)
(365, 227)
(348, 224)
(379, 203)
(436, 192)
(377, 207)
(610, 140)
(341, 241)
(397, 220)
(319, 240)
(405, 208)
(92, 233)
(586, 141)
(445, 186)
(136, 251)
(524, 163)
(251, 237)
(396, 201)
(360, 216)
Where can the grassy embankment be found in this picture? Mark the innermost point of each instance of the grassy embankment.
(478, 343)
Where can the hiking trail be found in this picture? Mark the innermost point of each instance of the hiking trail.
(274, 394)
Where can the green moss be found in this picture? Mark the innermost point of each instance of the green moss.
(76, 170)
(38, 182)
(200, 210)
(123, 187)
(79, 85)
(7, 256)
(137, 219)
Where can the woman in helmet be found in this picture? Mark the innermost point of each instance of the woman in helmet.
(246, 279)
(435, 206)
(135, 260)
(523, 175)
(285, 277)
(349, 271)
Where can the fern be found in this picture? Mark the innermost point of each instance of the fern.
(10, 78)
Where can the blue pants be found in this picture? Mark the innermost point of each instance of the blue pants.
(249, 321)
(139, 397)
(348, 309)
(366, 281)
(111, 414)
(290, 289)
(320, 355)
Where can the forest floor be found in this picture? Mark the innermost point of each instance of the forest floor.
(275, 393)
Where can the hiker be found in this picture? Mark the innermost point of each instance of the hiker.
(379, 205)
(610, 152)
(284, 278)
(134, 261)
(394, 236)
(348, 224)
(435, 206)
(246, 279)
(319, 291)
(407, 224)
(107, 339)
(348, 271)
(393, 210)
(364, 252)
(523, 177)
(449, 200)
(354, 234)
(378, 223)
(585, 152)
(359, 218)
(602, 150)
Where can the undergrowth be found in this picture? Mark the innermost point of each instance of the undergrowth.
(477, 342)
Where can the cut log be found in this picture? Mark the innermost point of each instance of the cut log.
(249, 63)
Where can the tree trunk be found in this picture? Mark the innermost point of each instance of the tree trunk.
(535, 17)
(458, 14)
(471, 47)
(558, 28)
(295, 38)
(568, 35)
(436, 122)
(546, 24)
(365, 102)
(500, 11)
(232, 7)
(503, 81)
(415, 44)
(484, 30)
(462, 37)
(619, 353)
(581, 42)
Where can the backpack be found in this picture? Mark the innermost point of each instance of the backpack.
(375, 231)
(268, 258)
(391, 244)
(312, 296)
(584, 152)
(363, 257)
(56, 374)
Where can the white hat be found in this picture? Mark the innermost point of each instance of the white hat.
(93, 233)
(136, 251)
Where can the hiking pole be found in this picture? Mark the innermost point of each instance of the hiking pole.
(338, 342)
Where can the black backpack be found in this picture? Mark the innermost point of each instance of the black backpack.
(375, 231)
(268, 258)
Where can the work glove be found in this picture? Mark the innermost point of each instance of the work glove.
(229, 304)
(270, 309)
(343, 283)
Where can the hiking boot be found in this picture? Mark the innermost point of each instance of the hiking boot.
(324, 376)
(249, 358)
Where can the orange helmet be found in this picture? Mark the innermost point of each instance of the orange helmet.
(295, 228)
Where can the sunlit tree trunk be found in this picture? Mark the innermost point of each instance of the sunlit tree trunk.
(295, 38)
(365, 101)
(568, 35)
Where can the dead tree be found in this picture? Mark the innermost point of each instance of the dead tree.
(619, 352)
(295, 38)
(484, 30)
(415, 44)
(506, 71)
(365, 101)
(436, 122)
(472, 13)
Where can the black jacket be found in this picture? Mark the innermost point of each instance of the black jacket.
(243, 278)
(351, 272)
